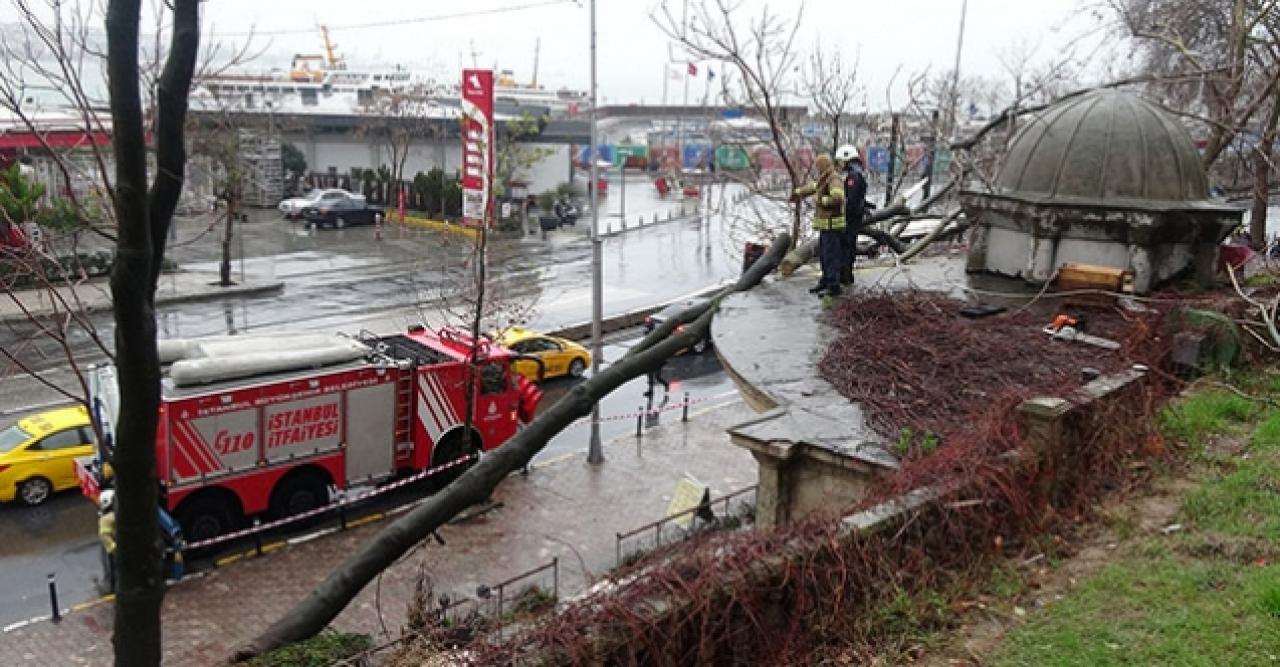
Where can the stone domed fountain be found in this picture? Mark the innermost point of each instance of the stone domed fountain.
(1104, 178)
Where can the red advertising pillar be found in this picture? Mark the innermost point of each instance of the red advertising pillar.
(477, 146)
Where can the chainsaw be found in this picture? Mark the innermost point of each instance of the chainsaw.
(1065, 327)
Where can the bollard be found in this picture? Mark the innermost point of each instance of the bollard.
(342, 510)
(53, 598)
(377, 226)
(639, 421)
(257, 536)
(684, 416)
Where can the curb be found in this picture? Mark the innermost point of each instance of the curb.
(626, 320)
(435, 225)
(254, 289)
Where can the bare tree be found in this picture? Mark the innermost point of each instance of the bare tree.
(1229, 47)
(762, 57)
(1217, 62)
(398, 119)
(833, 87)
(144, 211)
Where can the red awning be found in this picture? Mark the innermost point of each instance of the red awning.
(54, 139)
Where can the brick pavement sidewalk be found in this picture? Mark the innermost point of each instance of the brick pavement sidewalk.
(563, 509)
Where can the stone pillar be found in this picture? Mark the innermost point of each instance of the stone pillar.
(773, 491)
(1044, 419)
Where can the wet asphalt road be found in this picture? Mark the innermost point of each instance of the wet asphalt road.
(346, 280)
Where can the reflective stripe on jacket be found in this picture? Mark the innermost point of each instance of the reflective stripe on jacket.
(829, 200)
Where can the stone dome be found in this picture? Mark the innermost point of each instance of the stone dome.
(1104, 148)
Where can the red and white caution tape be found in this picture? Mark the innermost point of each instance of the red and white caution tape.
(331, 506)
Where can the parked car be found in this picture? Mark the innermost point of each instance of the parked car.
(340, 212)
(37, 454)
(292, 208)
(655, 320)
(560, 356)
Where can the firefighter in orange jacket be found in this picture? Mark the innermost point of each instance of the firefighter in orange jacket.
(828, 220)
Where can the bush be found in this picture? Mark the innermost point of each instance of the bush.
(18, 275)
(567, 189)
(547, 200)
(321, 650)
(452, 199)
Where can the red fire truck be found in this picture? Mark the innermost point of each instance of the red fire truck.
(268, 425)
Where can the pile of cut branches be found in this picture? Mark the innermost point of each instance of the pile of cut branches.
(921, 370)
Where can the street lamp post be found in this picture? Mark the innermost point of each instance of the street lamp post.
(595, 453)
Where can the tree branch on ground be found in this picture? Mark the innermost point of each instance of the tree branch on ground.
(313, 613)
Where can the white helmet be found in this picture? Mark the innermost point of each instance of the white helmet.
(847, 153)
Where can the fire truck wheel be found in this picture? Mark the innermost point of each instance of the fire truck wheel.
(203, 518)
(298, 493)
(449, 450)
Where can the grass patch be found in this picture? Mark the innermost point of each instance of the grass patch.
(1157, 612)
(1193, 418)
(1246, 501)
(321, 650)
(1208, 596)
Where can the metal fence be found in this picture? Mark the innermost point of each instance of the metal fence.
(738, 506)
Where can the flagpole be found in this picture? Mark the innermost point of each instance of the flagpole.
(666, 77)
(684, 28)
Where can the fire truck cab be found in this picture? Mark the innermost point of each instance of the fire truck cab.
(268, 425)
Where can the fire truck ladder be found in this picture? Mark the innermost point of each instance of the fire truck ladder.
(405, 403)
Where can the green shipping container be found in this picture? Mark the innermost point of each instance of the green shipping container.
(623, 151)
(731, 158)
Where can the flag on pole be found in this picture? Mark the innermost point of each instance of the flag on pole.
(693, 69)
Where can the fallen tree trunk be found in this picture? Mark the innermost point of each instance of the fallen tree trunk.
(805, 252)
(936, 233)
(313, 613)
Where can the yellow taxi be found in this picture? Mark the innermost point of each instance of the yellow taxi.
(559, 356)
(37, 454)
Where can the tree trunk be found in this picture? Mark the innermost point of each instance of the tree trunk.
(1262, 157)
(142, 221)
(329, 599)
(224, 270)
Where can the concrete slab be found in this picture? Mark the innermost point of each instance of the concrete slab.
(771, 340)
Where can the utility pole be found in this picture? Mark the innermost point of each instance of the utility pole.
(595, 452)
(955, 74)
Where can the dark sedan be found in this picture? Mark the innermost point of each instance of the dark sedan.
(340, 212)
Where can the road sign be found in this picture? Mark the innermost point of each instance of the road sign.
(477, 145)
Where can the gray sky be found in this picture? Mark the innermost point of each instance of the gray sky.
(913, 34)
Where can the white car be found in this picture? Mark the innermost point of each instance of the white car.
(292, 208)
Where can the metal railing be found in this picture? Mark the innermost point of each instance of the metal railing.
(703, 513)
(498, 591)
